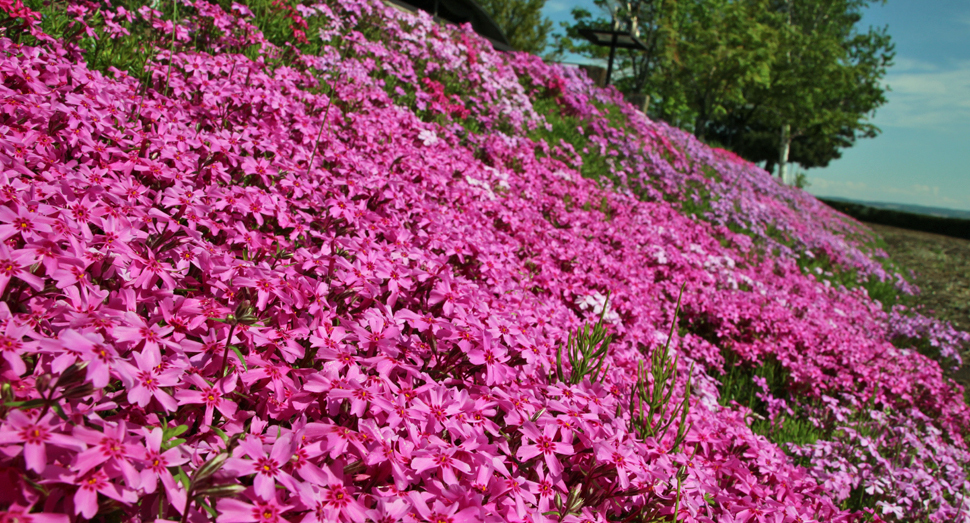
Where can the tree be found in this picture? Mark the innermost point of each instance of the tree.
(723, 51)
(522, 22)
(773, 80)
(828, 82)
(652, 21)
(701, 54)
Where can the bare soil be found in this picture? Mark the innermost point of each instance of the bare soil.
(941, 265)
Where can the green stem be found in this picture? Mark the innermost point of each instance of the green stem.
(326, 113)
(171, 48)
(225, 353)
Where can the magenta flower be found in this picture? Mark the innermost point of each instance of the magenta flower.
(493, 358)
(444, 513)
(145, 380)
(34, 436)
(16, 264)
(97, 482)
(333, 502)
(268, 467)
(138, 332)
(377, 335)
(12, 345)
(619, 456)
(113, 446)
(149, 270)
(71, 346)
(544, 445)
(259, 511)
(29, 224)
(441, 457)
(156, 467)
(212, 396)
(444, 294)
(438, 409)
(15, 514)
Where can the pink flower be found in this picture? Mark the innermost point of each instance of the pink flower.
(94, 483)
(16, 514)
(157, 465)
(544, 445)
(139, 332)
(334, 502)
(12, 345)
(145, 380)
(212, 396)
(444, 513)
(267, 467)
(259, 511)
(440, 456)
(113, 446)
(16, 264)
(493, 358)
(35, 435)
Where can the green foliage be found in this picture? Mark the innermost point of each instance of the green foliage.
(822, 268)
(737, 385)
(585, 351)
(569, 129)
(738, 70)
(651, 410)
(522, 22)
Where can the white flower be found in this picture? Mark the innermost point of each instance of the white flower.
(428, 137)
(597, 302)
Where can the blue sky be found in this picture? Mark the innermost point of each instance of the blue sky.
(923, 154)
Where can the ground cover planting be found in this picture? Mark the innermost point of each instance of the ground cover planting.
(334, 262)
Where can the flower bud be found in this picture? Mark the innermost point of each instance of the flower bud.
(79, 391)
(43, 382)
(207, 469)
(221, 491)
(72, 375)
(6, 392)
(245, 314)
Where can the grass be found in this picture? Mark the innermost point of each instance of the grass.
(737, 385)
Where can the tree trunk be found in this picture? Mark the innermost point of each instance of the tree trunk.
(783, 147)
(770, 166)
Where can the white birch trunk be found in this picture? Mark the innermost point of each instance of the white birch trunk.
(783, 147)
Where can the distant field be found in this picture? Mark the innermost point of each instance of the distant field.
(949, 222)
(942, 268)
(940, 212)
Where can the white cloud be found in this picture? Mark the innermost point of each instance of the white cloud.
(918, 194)
(926, 96)
(557, 6)
(908, 64)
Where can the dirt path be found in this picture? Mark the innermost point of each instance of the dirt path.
(942, 267)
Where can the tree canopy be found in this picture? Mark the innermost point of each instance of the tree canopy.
(768, 79)
(522, 22)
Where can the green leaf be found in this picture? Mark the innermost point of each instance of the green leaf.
(28, 404)
(183, 478)
(222, 434)
(56, 407)
(208, 468)
(221, 491)
(212, 512)
(241, 358)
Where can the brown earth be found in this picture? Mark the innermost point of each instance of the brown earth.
(941, 265)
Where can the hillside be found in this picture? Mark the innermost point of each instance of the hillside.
(334, 262)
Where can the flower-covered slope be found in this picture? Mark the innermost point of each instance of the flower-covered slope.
(340, 281)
